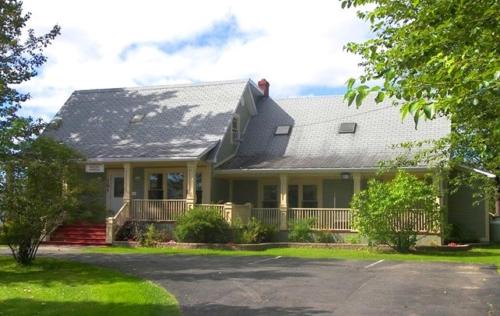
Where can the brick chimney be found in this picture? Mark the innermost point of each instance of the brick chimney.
(264, 86)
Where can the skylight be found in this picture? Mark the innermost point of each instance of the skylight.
(283, 130)
(137, 118)
(347, 128)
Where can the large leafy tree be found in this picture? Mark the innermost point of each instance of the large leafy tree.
(436, 58)
(31, 169)
(21, 54)
(36, 189)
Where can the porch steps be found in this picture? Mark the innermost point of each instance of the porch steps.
(79, 234)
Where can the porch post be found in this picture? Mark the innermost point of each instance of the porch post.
(191, 185)
(206, 180)
(356, 177)
(283, 201)
(127, 185)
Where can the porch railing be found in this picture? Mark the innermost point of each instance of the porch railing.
(114, 223)
(157, 210)
(218, 207)
(269, 216)
(324, 218)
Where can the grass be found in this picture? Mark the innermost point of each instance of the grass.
(481, 255)
(56, 287)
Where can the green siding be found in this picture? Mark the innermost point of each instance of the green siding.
(138, 183)
(220, 190)
(245, 191)
(469, 217)
(337, 193)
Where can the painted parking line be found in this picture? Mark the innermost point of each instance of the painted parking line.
(374, 264)
(264, 260)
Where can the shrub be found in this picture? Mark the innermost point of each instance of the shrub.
(199, 225)
(353, 239)
(326, 237)
(255, 232)
(301, 231)
(151, 237)
(383, 212)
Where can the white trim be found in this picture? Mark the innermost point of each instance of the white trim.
(305, 170)
(238, 125)
(253, 106)
(94, 160)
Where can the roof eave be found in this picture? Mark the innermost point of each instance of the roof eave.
(307, 170)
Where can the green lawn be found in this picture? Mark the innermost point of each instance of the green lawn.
(483, 255)
(56, 287)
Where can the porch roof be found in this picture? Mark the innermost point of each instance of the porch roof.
(160, 122)
(315, 141)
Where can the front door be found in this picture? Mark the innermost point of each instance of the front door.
(115, 190)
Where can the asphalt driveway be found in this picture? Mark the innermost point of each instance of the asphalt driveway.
(210, 285)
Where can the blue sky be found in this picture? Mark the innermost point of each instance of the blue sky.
(295, 45)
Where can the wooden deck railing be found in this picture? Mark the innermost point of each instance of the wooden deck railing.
(114, 223)
(157, 210)
(218, 207)
(269, 216)
(417, 221)
(324, 218)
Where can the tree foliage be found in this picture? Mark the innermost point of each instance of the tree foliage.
(21, 54)
(388, 212)
(31, 169)
(36, 189)
(436, 58)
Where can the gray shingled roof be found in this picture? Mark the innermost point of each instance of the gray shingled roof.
(180, 121)
(314, 141)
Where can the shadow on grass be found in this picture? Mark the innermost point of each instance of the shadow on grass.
(47, 272)
(21, 307)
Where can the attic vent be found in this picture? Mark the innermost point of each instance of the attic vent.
(347, 128)
(137, 118)
(283, 130)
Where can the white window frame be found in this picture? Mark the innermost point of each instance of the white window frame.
(237, 132)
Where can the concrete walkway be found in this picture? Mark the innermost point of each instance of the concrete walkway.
(210, 285)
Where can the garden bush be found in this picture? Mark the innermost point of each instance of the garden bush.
(202, 225)
(326, 237)
(301, 231)
(253, 232)
(381, 212)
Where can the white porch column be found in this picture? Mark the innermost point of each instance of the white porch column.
(283, 201)
(127, 182)
(206, 179)
(191, 184)
(356, 177)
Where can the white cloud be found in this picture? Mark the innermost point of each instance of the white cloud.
(293, 44)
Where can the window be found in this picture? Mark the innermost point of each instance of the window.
(175, 185)
(293, 196)
(118, 187)
(155, 191)
(270, 196)
(235, 129)
(309, 196)
(199, 189)
(283, 130)
(347, 128)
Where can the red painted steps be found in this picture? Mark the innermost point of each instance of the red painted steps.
(79, 234)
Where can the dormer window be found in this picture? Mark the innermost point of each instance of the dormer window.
(235, 129)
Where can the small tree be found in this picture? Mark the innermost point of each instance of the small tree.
(387, 212)
(36, 188)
